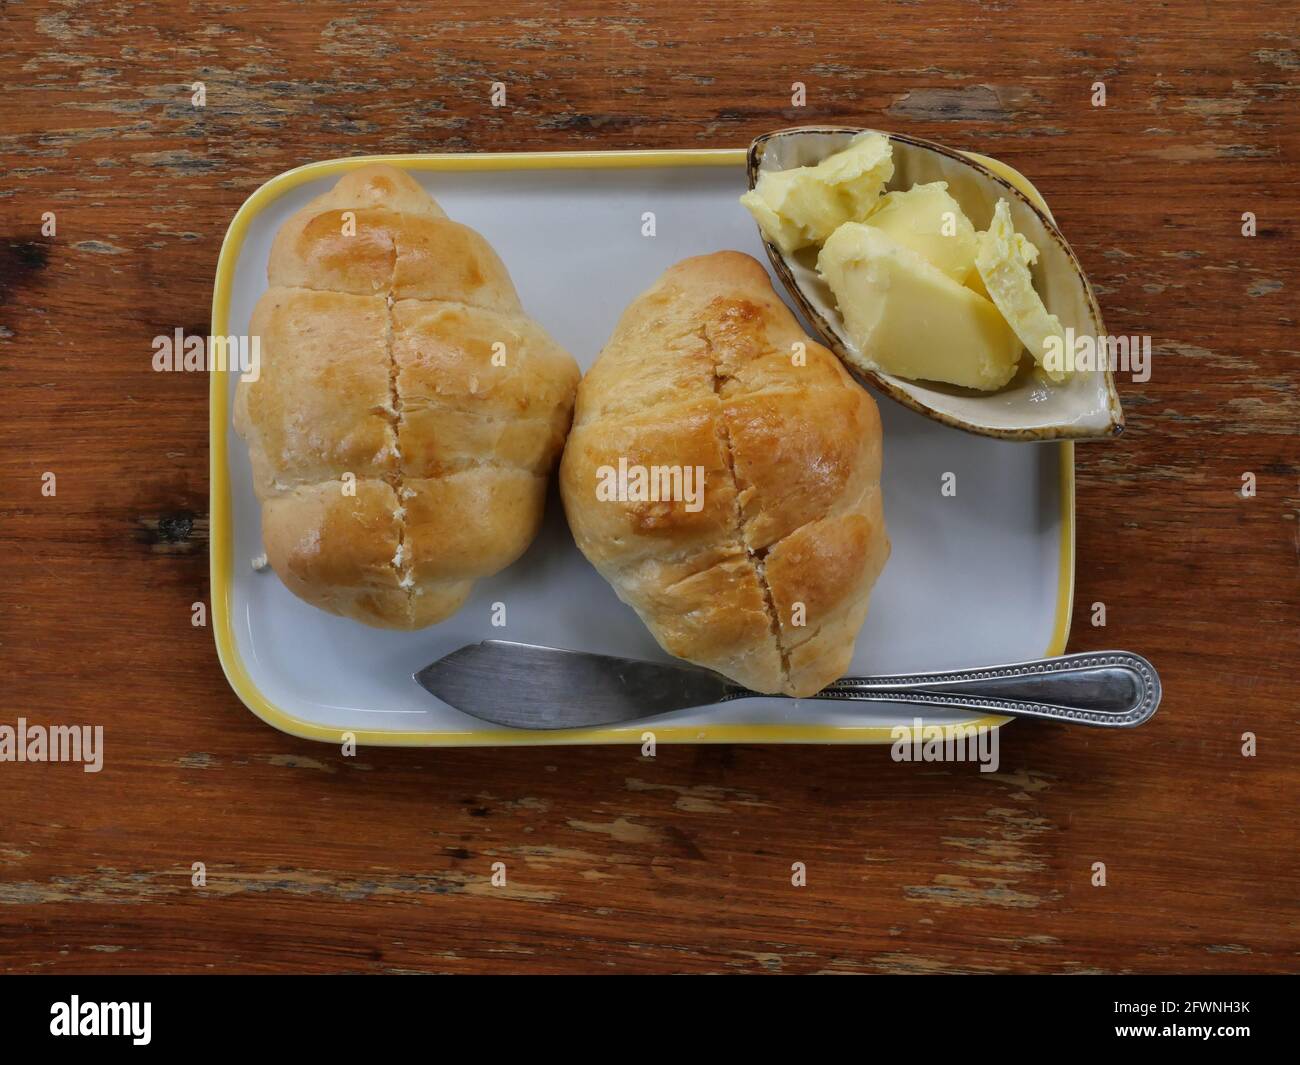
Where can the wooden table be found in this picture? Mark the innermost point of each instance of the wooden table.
(682, 862)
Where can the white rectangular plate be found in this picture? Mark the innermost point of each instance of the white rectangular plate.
(980, 577)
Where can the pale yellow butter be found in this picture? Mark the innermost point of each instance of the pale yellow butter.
(928, 220)
(909, 318)
(804, 205)
(1003, 261)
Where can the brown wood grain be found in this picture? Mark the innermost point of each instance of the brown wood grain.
(618, 863)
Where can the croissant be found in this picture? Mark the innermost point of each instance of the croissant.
(765, 574)
(407, 413)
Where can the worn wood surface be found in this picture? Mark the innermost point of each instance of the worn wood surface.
(380, 863)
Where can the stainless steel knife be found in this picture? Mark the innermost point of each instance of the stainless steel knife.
(530, 687)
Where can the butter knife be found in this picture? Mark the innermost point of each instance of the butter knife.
(524, 686)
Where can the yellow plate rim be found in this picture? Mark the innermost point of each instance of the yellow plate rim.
(222, 545)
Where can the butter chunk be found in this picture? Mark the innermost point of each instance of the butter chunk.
(806, 204)
(1003, 261)
(910, 319)
(928, 220)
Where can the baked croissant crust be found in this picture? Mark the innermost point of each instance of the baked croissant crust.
(407, 414)
(767, 580)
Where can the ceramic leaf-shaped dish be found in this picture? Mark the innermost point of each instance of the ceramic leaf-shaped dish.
(1085, 405)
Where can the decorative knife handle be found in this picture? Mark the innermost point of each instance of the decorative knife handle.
(1110, 689)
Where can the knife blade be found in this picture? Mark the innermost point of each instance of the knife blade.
(523, 686)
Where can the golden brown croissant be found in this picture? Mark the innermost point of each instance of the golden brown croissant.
(407, 413)
(765, 576)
